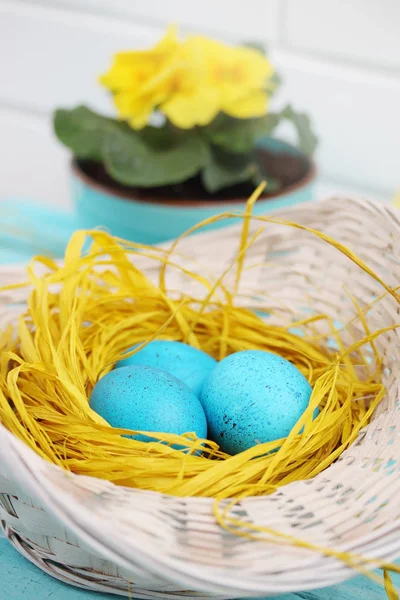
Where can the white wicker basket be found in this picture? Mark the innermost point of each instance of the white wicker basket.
(92, 534)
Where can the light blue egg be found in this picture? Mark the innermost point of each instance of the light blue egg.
(253, 397)
(147, 399)
(188, 364)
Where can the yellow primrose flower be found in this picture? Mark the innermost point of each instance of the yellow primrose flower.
(233, 66)
(190, 82)
(131, 72)
(214, 78)
(191, 101)
(190, 107)
(238, 74)
(131, 69)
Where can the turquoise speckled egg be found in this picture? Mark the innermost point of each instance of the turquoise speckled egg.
(188, 364)
(253, 397)
(147, 399)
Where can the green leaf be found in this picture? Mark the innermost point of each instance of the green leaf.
(307, 140)
(273, 184)
(146, 158)
(83, 131)
(259, 46)
(226, 170)
(240, 135)
(164, 137)
(273, 84)
(131, 159)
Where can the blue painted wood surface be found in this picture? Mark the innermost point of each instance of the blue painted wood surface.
(26, 230)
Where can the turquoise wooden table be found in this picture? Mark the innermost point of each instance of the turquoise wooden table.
(25, 230)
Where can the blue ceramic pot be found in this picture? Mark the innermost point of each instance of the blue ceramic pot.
(152, 221)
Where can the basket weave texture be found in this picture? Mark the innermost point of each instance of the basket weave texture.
(90, 533)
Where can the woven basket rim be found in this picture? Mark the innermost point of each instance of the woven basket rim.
(42, 480)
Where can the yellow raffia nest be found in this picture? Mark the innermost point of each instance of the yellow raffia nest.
(82, 317)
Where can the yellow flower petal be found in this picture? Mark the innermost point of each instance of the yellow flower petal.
(124, 77)
(167, 78)
(253, 105)
(140, 119)
(134, 109)
(132, 70)
(165, 46)
(257, 67)
(231, 65)
(188, 109)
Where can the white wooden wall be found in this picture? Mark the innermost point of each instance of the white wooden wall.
(340, 60)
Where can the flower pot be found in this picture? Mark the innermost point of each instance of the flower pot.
(139, 216)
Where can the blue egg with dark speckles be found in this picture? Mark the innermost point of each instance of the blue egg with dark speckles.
(190, 365)
(147, 399)
(253, 397)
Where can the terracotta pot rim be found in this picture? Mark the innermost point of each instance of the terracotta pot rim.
(105, 189)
